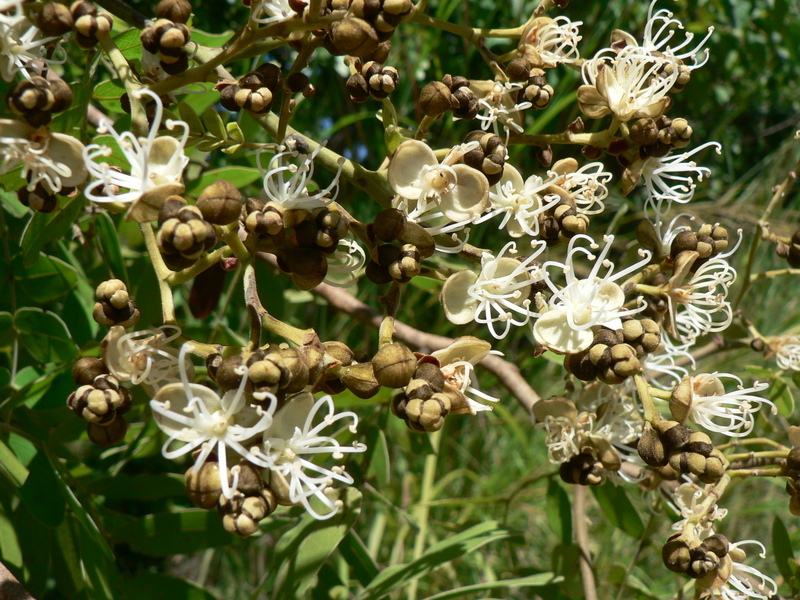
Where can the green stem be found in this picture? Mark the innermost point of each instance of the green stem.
(650, 412)
(778, 472)
(162, 273)
(203, 263)
(764, 454)
(422, 510)
(469, 33)
(600, 139)
(753, 441)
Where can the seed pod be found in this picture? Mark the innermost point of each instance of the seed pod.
(204, 486)
(394, 365)
(220, 203)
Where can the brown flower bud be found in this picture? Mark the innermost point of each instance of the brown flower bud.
(86, 369)
(55, 19)
(394, 365)
(435, 99)
(178, 11)
(360, 379)
(108, 434)
(204, 486)
(220, 203)
(676, 554)
(650, 447)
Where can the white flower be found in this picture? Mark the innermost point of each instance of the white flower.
(11, 11)
(664, 362)
(498, 102)
(672, 178)
(587, 186)
(53, 159)
(267, 11)
(745, 582)
(458, 362)
(344, 263)
(566, 327)
(521, 202)
(156, 164)
(702, 302)
(787, 352)
(659, 31)
(22, 49)
(627, 84)
(196, 416)
(288, 184)
(499, 295)
(555, 40)
(292, 442)
(565, 435)
(730, 413)
(459, 192)
(697, 505)
(142, 357)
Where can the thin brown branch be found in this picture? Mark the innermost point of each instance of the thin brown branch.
(10, 588)
(508, 374)
(579, 526)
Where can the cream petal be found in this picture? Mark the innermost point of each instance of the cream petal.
(175, 394)
(612, 294)
(510, 174)
(459, 306)
(145, 208)
(67, 150)
(407, 163)
(565, 166)
(553, 331)
(291, 416)
(466, 347)
(469, 197)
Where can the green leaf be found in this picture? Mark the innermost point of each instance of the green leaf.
(362, 566)
(238, 176)
(618, 509)
(129, 44)
(8, 198)
(108, 238)
(234, 131)
(138, 487)
(211, 40)
(214, 124)
(47, 279)
(11, 467)
(559, 511)
(108, 90)
(781, 394)
(6, 329)
(395, 576)
(10, 550)
(157, 586)
(191, 117)
(66, 558)
(782, 548)
(45, 227)
(40, 491)
(303, 550)
(537, 580)
(44, 335)
(163, 534)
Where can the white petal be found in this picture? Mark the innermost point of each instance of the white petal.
(459, 306)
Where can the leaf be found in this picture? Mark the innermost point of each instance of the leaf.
(781, 394)
(214, 123)
(538, 580)
(108, 90)
(782, 548)
(40, 492)
(234, 131)
(6, 329)
(129, 44)
(11, 467)
(163, 534)
(45, 227)
(362, 566)
(238, 176)
(303, 550)
(138, 487)
(559, 511)
(47, 279)
(44, 335)
(191, 117)
(67, 568)
(211, 40)
(395, 576)
(8, 198)
(111, 251)
(158, 586)
(10, 550)
(618, 509)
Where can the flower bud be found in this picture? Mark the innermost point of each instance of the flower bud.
(109, 434)
(354, 36)
(650, 447)
(204, 486)
(55, 19)
(435, 99)
(114, 306)
(389, 224)
(394, 365)
(86, 369)
(220, 203)
(555, 406)
(676, 554)
(360, 379)
(680, 401)
(178, 11)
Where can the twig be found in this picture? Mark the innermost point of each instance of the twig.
(10, 587)
(582, 540)
(507, 373)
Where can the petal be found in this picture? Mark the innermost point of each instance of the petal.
(409, 160)
(470, 196)
(466, 347)
(611, 294)
(553, 331)
(511, 174)
(290, 417)
(459, 306)
(176, 395)
(67, 150)
(145, 208)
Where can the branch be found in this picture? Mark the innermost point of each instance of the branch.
(582, 540)
(508, 374)
(10, 588)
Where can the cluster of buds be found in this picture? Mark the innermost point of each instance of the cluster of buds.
(536, 90)
(37, 99)
(452, 93)
(366, 30)
(100, 400)
(114, 306)
(709, 241)
(167, 36)
(398, 247)
(791, 250)
(424, 404)
(88, 25)
(183, 235)
(792, 468)
(614, 354)
(241, 513)
(489, 157)
(254, 91)
(684, 450)
(707, 560)
(583, 469)
(371, 79)
(562, 221)
(40, 198)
